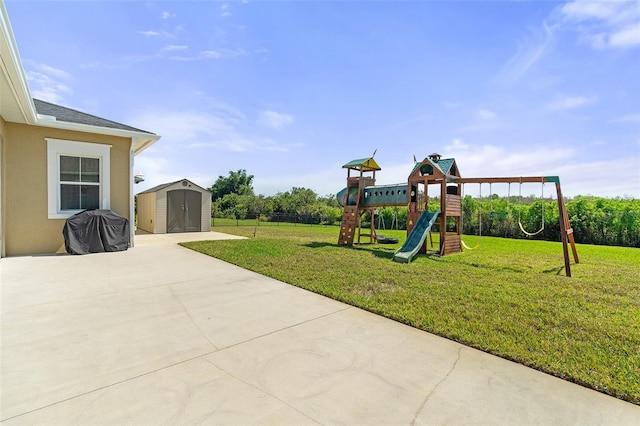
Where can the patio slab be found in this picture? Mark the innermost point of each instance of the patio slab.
(161, 334)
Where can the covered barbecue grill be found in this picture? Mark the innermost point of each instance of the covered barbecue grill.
(95, 231)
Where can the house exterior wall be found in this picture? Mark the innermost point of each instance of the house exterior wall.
(26, 191)
(2, 180)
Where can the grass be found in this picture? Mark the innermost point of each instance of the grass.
(508, 297)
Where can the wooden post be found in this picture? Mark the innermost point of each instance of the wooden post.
(569, 231)
(443, 215)
(562, 212)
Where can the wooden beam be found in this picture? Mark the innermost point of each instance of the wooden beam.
(506, 179)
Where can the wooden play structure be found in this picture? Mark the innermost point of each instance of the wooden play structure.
(362, 196)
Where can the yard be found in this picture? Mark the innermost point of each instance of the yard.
(508, 297)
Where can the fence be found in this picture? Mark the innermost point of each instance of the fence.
(276, 219)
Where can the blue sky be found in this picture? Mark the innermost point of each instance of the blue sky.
(292, 90)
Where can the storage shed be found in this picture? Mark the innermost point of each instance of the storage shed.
(180, 206)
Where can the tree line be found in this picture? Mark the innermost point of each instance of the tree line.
(595, 220)
(233, 197)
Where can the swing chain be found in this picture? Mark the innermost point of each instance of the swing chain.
(531, 234)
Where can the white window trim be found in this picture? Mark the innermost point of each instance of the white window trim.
(58, 147)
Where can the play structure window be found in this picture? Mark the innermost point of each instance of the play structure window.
(426, 170)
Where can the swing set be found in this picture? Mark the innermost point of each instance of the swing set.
(566, 230)
(503, 214)
(362, 195)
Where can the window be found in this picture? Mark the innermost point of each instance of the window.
(78, 177)
(79, 183)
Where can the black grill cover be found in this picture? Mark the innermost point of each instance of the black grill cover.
(95, 231)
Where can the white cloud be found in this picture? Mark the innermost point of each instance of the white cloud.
(577, 177)
(215, 131)
(610, 12)
(207, 54)
(48, 83)
(197, 141)
(528, 52)
(600, 24)
(482, 120)
(485, 115)
(628, 36)
(456, 145)
(53, 72)
(167, 15)
(213, 54)
(174, 48)
(275, 120)
(629, 118)
(224, 10)
(149, 33)
(159, 34)
(563, 102)
(604, 25)
(221, 53)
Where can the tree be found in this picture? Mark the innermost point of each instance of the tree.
(236, 183)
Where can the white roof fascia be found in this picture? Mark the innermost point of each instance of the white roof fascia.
(140, 140)
(12, 66)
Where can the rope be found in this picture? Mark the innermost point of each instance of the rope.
(531, 234)
(490, 199)
(479, 222)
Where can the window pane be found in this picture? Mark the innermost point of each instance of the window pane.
(69, 197)
(89, 197)
(69, 168)
(90, 170)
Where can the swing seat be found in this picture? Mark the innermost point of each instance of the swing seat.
(387, 240)
(466, 247)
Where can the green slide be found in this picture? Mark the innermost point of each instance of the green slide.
(416, 237)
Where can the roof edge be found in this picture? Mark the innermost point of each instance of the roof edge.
(168, 184)
(141, 140)
(15, 70)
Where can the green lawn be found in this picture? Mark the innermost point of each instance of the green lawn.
(507, 297)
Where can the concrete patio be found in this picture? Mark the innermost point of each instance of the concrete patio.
(160, 334)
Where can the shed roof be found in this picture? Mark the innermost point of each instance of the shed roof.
(166, 185)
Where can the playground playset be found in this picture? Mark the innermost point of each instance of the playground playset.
(362, 196)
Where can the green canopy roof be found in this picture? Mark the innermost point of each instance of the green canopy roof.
(443, 165)
(363, 164)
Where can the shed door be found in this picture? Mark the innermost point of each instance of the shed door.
(184, 211)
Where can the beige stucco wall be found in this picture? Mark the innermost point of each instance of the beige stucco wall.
(28, 229)
(2, 225)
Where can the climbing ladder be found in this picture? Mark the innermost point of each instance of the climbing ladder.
(348, 226)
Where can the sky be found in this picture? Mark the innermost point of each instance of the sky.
(292, 90)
